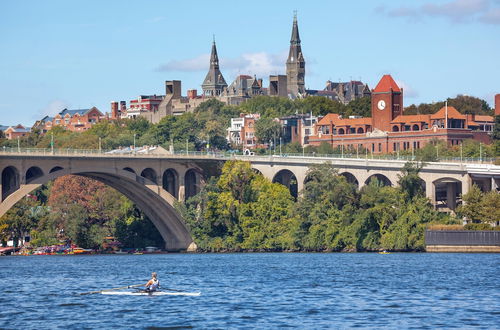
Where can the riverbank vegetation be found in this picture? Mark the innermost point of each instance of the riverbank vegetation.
(243, 211)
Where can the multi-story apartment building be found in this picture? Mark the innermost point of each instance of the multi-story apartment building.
(241, 133)
(78, 120)
(14, 132)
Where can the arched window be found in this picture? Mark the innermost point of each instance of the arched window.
(360, 130)
(415, 128)
(341, 131)
(395, 128)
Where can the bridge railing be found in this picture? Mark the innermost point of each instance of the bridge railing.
(220, 154)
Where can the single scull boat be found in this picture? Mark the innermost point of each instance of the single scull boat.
(154, 293)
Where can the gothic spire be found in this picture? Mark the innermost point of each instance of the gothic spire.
(214, 82)
(214, 59)
(295, 39)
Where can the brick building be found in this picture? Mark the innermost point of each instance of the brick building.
(14, 132)
(77, 120)
(242, 131)
(389, 130)
(143, 104)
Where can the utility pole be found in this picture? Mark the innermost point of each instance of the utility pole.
(134, 141)
(461, 152)
(52, 142)
(480, 152)
(100, 145)
(280, 146)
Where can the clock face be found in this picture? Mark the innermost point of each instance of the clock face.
(381, 105)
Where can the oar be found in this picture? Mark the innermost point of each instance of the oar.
(120, 288)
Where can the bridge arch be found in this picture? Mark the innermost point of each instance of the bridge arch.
(350, 178)
(32, 173)
(170, 182)
(289, 180)
(192, 183)
(149, 174)
(447, 191)
(10, 181)
(154, 201)
(55, 169)
(128, 169)
(382, 179)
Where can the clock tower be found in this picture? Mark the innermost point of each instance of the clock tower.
(387, 103)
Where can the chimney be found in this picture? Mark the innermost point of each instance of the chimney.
(497, 105)
(173, 88)
(114, 109)
(123, 106)
(192, 93)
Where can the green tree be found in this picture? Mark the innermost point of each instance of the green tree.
(410, 182)
(267, 129)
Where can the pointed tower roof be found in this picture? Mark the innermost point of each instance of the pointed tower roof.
(214, 79)
(295, 53)
(295, 39)
(386, 84)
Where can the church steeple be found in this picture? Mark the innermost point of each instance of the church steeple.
(214, 82)
(295, 64)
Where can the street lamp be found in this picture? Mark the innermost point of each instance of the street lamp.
(134, 141)
(280, 146)
(99, 145)
(52, 142)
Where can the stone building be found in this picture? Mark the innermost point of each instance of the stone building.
(295, 64)
(214, 83)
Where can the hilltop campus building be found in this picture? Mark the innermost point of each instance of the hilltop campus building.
(387, 130)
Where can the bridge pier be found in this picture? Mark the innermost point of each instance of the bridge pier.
(430, 192)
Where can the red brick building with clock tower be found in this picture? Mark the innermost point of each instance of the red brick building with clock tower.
(387, 103)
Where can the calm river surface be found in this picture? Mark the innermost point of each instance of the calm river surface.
(254, 291)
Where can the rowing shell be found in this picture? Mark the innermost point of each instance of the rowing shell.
(154, 293)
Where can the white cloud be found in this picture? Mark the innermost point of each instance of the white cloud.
(408, 91)
(260, 64)
(53, 108)
(491, 17)
(457, 11)
(198, 63)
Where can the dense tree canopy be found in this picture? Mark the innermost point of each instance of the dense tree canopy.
(463, 103)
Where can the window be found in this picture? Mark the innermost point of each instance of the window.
(380, 147)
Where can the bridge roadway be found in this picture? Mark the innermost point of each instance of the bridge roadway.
(155, 181)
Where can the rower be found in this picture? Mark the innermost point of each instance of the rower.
(153, 284)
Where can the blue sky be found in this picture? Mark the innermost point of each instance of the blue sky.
(78, 54)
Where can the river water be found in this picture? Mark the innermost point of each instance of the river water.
(399, 290)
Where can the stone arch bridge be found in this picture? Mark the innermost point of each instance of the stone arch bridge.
(154, 182)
